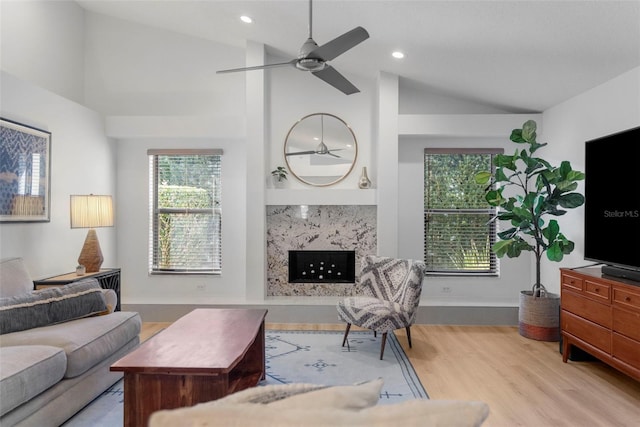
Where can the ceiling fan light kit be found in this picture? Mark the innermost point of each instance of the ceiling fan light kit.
(313, 58)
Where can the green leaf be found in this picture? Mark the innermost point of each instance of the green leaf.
(516, 136)
(500, 176)
(554, 253)
(575, 176)
(516, 248)
(571, 200)
(494, 197)
(508, 234)
(500, 248)
(529, 200)
(552, 230)
(565, 168)
(535, 146)
(564, 186)
(482, 177)
(567, 247)
(529, 131)
(523, 213)
(505, 161)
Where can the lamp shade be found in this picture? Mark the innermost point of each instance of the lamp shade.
(91, 211)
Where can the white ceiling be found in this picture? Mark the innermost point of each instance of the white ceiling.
(516, 55)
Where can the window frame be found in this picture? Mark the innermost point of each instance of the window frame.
(491, 211)
(155, 211)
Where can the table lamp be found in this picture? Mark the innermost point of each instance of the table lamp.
(91, 211)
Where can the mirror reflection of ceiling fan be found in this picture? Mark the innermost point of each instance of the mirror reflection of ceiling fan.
(314, 59)
(321, 148)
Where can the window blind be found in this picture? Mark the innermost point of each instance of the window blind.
(186, 211)
(458, 233)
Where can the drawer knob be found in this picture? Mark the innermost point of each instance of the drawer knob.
(597, 290)
(627, 299)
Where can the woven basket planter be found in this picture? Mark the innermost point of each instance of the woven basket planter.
(539, 317)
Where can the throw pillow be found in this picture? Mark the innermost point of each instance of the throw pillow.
(266, 394)
(14, 278)
(412, 413)
(52, 305)
(353, 397)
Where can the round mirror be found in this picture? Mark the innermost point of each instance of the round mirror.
(320, 149)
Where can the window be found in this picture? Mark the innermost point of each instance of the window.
(458, 233)
(186, 212)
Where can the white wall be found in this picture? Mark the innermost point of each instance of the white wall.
(293, 94)
(428, 131)
(514, 273)
(608, 108)
(82, 162)
(43, 42)
(134, 70)
(138, 287)
(159, 89)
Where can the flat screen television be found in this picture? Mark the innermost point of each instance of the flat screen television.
(612, 203)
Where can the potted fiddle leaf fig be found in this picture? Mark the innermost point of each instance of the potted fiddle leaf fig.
(529, 193)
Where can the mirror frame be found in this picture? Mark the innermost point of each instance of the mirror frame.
(353, 162)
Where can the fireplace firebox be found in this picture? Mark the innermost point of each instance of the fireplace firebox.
(322, 266)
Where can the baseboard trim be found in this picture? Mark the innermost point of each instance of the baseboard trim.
(325, 313)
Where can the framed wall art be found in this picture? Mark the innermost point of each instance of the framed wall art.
(25, 173)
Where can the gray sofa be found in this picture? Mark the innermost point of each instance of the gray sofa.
(56, 346)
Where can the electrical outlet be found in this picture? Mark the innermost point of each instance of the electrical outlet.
(446, 290)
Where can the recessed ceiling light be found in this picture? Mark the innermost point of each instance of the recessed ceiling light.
(397, 54)
(246, 19)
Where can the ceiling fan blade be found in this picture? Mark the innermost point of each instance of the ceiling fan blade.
(300, 153)
(335, 79)
(340, 44)
(258, 67)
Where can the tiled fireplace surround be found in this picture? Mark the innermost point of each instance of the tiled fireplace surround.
(316, 227)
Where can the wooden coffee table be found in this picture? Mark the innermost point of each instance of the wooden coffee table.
(205, 355)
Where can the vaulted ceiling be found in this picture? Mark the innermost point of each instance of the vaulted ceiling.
(517, 55)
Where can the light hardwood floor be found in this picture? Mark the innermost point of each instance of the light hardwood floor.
(523, 381)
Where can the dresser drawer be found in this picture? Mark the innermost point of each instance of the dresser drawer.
(587, 331)
(587, 308)
(626, 349)
(572, 282)
(626, 296)
(627, 322)
(598, 290)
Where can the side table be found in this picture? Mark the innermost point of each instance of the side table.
(109, 278)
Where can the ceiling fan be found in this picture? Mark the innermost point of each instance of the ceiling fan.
(313, 58)
(321, 148)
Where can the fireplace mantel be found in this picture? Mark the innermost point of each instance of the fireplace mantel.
(320, 196)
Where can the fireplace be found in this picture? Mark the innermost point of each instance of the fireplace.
(322, 266)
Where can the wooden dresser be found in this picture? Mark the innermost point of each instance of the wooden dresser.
(601, 315)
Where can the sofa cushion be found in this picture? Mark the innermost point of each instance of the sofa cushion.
(14, 278)
(52, 305)
(26, 371)
(86, 342)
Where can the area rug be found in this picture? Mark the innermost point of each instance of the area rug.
(314, 357)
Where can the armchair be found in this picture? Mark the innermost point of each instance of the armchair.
(385, 298)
